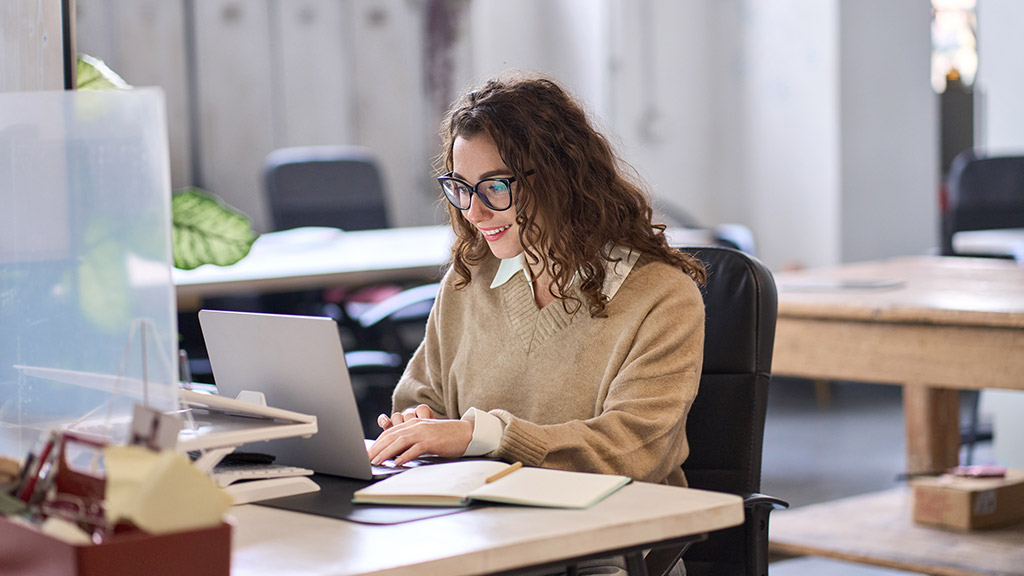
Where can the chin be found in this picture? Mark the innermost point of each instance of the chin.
(504, 250)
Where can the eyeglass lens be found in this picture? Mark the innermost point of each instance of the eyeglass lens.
(496, 193)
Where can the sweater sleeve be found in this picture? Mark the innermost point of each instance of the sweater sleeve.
(421, 382)
(641, 428)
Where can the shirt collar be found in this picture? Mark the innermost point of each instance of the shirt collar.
(615, 272)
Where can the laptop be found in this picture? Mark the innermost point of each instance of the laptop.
(297, 362)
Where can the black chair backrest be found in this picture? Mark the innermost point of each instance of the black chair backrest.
(339, 186)
(983, 193)
(725, 427)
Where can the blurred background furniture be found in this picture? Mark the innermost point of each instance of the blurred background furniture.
(931, 324)
(984, 193)
(335, 186)
(730, 235)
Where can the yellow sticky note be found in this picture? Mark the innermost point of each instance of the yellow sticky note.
(126, 468)
(161, 492)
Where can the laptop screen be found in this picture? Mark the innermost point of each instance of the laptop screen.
(298, 363)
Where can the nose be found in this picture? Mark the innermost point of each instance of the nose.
(477, 211)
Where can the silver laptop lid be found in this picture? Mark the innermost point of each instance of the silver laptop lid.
(298, 363)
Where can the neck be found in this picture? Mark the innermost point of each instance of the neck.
(542, 290)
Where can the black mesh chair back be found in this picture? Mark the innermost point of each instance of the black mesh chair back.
(984, 193)
(725, 427)
(338, 186)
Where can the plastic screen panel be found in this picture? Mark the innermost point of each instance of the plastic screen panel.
(87, 309)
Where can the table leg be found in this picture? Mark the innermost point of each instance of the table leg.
(932, 419)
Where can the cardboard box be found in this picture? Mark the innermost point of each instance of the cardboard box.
(969, 503)
(28, 552)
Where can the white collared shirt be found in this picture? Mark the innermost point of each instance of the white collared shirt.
(488, 428)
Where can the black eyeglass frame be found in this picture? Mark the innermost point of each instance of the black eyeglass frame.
(474, 189)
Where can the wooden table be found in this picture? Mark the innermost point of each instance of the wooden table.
(483, 541)
(934, 325)
(878, 529)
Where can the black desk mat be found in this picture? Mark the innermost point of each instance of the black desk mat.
(334, 500)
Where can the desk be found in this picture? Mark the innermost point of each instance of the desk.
(934, 325)
(483, 541)
(878, 529)
(310, 258)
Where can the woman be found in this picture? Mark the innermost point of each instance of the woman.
(566, 333)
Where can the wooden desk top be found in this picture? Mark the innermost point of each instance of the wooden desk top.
(487, 540)
(878, 529)
(918, 290)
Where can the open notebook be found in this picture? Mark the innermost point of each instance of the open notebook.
(459, 483)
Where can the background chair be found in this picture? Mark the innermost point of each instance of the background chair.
(725, 426)
(984, 193)
(337, 186)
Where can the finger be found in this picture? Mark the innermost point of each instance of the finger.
(392, 448)
(380, 446)
(397, 418)
(424, 411)
(384, 422)
(412, 453)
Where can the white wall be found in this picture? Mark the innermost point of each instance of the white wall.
(565, 38)
(889, 146)
(789, 135)
(999, 86)
(661, 99)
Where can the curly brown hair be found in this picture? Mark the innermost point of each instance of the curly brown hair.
(579, 187)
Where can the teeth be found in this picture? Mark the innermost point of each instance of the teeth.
(496, 230)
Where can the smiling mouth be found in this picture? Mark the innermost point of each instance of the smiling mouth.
(496, 230)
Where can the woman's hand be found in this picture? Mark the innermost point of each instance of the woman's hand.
(416, 436)
(421, 411)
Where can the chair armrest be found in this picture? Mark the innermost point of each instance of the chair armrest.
(397, 303)
(757, 508)
(756, 500)
(372, 362)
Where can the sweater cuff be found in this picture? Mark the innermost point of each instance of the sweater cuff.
(519, 443)
(487, 432)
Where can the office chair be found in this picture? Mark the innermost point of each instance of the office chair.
(725, 426)
(983, 193)
(337, 186)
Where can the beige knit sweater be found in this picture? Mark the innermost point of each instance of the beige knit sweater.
(607, 395)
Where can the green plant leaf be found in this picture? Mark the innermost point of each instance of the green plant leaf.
(207, 231)
(94, 74)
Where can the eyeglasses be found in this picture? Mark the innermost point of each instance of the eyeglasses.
(496, 193)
